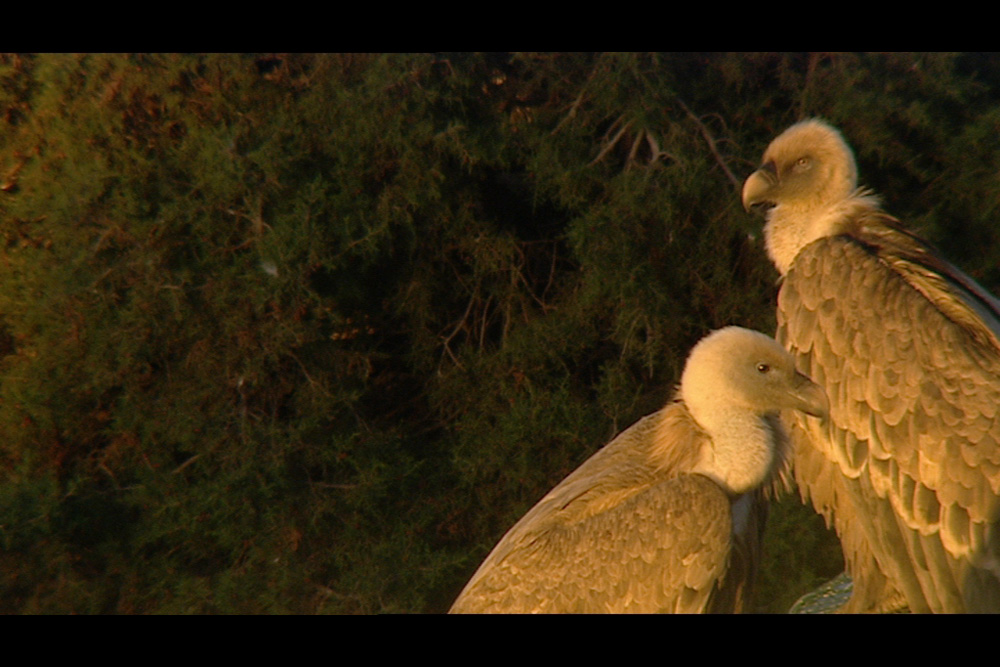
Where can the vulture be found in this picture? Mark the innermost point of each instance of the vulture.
(907, 466)
(668, 516)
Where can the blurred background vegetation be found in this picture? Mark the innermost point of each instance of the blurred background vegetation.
(308, 333)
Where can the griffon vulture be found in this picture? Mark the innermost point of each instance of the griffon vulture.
(667, 517)
(908, 465)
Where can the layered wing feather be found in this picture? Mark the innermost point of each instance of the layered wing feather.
(622, 534)
(908, 465)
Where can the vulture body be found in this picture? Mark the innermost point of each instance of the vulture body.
(906, 346)
(667, 517)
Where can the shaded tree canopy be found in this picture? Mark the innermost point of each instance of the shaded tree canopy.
(308, 333)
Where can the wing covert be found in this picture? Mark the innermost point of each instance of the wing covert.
(661, 550)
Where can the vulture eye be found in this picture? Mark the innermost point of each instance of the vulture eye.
(763, 368)
(802, 164)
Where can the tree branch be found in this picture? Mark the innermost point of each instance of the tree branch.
(712, 146)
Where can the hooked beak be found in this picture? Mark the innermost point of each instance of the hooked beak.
(809, 397)
(759, 185)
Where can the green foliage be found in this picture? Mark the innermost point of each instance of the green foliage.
(308, 333)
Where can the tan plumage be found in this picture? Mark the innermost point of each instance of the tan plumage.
(667, 517)
(906, 346)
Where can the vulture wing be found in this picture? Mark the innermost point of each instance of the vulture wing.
(908, 465)
(616, 536)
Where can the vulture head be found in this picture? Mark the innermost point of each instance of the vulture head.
(806, 184)
(734, 383)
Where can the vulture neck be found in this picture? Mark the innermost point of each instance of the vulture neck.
(791, 226)
(739, 453)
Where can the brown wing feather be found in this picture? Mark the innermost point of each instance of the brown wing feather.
(907, 464)
(623, 533)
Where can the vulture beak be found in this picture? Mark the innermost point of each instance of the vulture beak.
(759, 185)
(809, 397)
